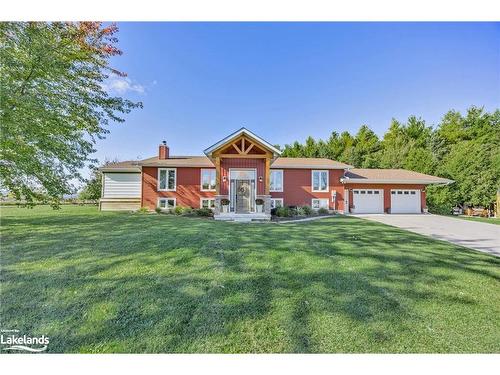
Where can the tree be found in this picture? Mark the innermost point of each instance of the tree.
(53, 106)
(93, 186)
(366, 145)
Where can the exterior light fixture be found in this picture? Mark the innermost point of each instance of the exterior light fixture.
(223, 178)
(260, 178)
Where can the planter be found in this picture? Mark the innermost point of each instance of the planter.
(225, 209)
(259, 208)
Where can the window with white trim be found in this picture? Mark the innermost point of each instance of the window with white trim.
(166, 203)
(319, 180)
(207, 203)
(316, 204)
(276, 202)
(207, 179)
(167, 179)
(276, 180)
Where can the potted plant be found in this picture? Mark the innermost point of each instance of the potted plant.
(225, 205)
(260, 204)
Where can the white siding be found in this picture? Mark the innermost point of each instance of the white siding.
(122, 185)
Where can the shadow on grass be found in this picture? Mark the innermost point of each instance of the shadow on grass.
(151, 283)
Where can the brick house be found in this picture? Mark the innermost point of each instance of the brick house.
(243, 169)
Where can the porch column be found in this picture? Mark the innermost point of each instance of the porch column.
(217, 175)
(268, 175)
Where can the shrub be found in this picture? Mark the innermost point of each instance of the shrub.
(224, 202)
(298, 211)
(187, 211)
(259, 202)
(307, 210)
(283, 211)
(207, 212)
(158, 210)
(178, 210)
(143, 210)
(323, 211)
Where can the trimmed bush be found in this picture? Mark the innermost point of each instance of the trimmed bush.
(283, 211)
(143, 210)
(307, 210)
(178, 210)
(206, 212)
(158, 210)
(323, 211)
(187, 211)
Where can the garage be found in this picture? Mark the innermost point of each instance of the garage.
(368, 201)
(405, 201)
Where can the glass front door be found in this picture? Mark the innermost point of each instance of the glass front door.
(242, 191)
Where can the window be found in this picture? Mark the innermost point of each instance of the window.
(316, 204)
(207, 179)
(319, 180)
(166, 203)
(412, 192)
(276, 180)
(207, 203)
(167, 179)
(363, 191)
(276, 202)
(376, 192)
(393, 192)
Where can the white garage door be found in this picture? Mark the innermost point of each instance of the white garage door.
(368, 201)
(405, 201)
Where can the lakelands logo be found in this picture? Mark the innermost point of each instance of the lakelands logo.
(15, 342)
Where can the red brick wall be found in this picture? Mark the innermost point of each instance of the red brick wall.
(187, 194)
(258, 164)
(387, 192)
(297, 186)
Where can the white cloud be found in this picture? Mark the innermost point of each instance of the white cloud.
(122, 85)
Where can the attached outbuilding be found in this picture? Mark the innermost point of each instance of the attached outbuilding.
(392, 191)
(121, 187)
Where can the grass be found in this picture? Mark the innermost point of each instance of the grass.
(490, 220)
(119, 282)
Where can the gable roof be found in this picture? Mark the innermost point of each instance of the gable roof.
(402, 176)
(205, 162)
(179, 161)
(243, 131)
(307, 163)
(123, 166)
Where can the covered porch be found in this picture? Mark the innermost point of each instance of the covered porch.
(242, 162)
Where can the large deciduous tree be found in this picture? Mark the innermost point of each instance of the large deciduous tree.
(53, 104)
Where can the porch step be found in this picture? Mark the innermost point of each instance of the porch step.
(243, 218)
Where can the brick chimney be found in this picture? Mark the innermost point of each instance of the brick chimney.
(163, 152)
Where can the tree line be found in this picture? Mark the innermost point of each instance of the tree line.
(462, 147)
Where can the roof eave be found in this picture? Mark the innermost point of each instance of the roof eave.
(117, 170)
(347, 180)
(208, 151)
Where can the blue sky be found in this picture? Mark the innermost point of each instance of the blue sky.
(285, 81)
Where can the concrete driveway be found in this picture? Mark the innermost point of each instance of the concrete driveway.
(475, 235)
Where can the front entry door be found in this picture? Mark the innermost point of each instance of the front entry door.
(243, 188)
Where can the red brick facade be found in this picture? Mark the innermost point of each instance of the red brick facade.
(257, 164)
(187, 193)
(297, 188)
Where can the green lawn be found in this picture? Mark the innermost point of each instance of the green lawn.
(491, 220)
(120, 282)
